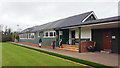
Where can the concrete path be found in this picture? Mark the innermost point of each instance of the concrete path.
(102, 58)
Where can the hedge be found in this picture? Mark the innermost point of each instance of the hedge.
(89, 63)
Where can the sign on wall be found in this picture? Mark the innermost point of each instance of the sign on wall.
(56, 35)
(60, 33)
(113, 37)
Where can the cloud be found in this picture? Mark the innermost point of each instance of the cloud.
(28, 14)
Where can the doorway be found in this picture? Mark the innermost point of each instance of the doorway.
(107, 40)
(73, 37)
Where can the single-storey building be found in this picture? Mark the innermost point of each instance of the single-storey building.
(76, 30)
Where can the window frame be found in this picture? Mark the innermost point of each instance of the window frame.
(39, 34)
(33, 35)
(27, 36)
(54, 34)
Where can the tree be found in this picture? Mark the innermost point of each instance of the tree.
(15, 35)
(6, 35)
(9, 30)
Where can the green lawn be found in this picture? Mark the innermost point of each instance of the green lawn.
(18, 56)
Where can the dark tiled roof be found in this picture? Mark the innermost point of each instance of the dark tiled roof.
(105, 20)
(97, 21)
(77, 19)
(69, 22)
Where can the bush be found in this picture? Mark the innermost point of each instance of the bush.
(6, 38)
(15, 36)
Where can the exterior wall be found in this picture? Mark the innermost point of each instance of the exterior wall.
(115, 42)
(57, 38)
(92, 17)
(34, 41)
(65, 36)
(45, 41)
(97, 37)
(85, 33)
(76, 34)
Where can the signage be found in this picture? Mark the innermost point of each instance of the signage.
(113, 37)
(56, 35)
(60, 33)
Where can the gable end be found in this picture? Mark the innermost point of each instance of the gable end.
(91, 16)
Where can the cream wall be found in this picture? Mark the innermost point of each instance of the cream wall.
(85, 33)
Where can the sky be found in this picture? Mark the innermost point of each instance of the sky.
(28, 13)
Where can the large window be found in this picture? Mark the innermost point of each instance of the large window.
(27, 36)
(32, 35)
(49, 34)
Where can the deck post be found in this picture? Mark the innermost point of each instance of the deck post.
(57, 37)
(79, 39)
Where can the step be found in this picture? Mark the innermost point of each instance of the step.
(106, 51)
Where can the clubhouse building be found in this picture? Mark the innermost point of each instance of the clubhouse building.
(77, 32)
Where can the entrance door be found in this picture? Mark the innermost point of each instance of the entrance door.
(73, 37)
(107, 40)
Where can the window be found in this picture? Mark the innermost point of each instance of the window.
(21, 36)
(49, 34)
(32, 35)
(46, 34)
(91, 17)
(38, 34)
(27, 36)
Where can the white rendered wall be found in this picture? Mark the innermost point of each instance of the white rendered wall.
(85, 33)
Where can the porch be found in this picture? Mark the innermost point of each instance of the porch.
(75, 39)
(75, 48)
(106, 37)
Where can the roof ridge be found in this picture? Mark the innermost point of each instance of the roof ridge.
(63, 22)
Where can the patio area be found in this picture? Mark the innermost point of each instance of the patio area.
(110, 59)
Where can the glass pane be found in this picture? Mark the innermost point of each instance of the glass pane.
(46, 34)
(32, 35)
(51, 33)
(27, 35)
(39, 33)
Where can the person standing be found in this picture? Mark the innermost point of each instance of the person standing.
(53, 44)
(60, 43)
(40, 42)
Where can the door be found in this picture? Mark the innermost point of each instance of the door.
(73, 37)
(107, 40)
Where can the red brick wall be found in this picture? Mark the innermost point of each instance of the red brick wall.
(84, 46)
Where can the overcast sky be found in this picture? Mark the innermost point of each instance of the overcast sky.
(30, 13)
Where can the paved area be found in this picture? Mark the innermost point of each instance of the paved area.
(102, 58)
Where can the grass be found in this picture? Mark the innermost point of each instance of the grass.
(18, 56)
(89, 63)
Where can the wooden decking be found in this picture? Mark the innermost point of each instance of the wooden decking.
(73, 48)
